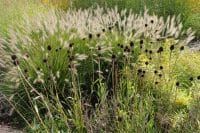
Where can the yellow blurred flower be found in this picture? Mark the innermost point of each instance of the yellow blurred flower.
(182, 99)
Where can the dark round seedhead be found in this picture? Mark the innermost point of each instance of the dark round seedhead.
(177, 84)
(98, 35)
(90, 36)
(191, 78)
(182, 48)
(71, 45)
(141, 41)
(160, 50)
(49, 47)
(25, 70)
(131, 44)
(150, 51)
(155, 71)
(71, 58)
(139, 70)
(45, 60)
(13, 57)
(172, 47)
(143, 71)
(113, 56)
(99, 48)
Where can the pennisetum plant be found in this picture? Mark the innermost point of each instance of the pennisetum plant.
(83, 65)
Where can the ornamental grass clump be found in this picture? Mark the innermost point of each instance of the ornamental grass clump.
(97, 70)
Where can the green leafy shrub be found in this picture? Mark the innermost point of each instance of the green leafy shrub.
(98, 70)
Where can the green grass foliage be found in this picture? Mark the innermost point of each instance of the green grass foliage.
(98, 70)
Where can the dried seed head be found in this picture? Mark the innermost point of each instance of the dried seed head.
(198, 77)
(99, 48)
(25, 70)
(90, 36)
(113, 56)
(139, 71)
(152, 21)
(191, 79)
(177, 84)
(156, 82)
(155, 71)
(160, 75)
(131, 44)
(110, 28)
(150, 51)
(146, 25)
(143, 71)
(49, 47)
(103, 30)
(141, 41)
(161, 67)
(172, 47)
(182, 48)
(160, 50)
(98, 35)
(71, 45)
(45, 60)
(71, 58)
(146, 50)
(146, 63)
(13, 57)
